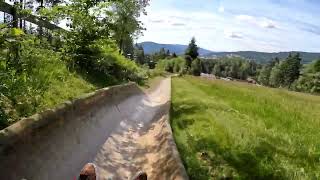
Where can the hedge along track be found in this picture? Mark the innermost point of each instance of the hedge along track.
(121, 129)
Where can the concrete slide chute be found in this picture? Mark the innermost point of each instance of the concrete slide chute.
(122, 130)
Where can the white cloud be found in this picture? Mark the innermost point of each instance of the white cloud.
(221, 9)
(267, 23)
(178, 24)
(246, 18)
(233, 35)
(258, 21)
(269, 31)
(213, 30)
(156, 20)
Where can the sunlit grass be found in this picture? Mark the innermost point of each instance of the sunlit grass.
(238, 130)
(61, 91)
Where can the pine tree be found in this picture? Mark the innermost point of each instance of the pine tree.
(174, 55)
(192, 49)
(162, 53)
(168, 53)
(291, 69)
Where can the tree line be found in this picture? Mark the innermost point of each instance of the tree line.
(290, 73)
(286, 73)
(188, 64)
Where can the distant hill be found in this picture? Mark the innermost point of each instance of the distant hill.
(260, 57)
(263, 57)
(152, 47)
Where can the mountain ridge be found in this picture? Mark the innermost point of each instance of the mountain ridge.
(152, 47)
(261, 57)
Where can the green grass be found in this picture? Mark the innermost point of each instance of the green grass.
(59, 92)
(36, 77)
(46, 83)
(241, 131)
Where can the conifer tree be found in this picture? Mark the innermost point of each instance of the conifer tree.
(192, 49)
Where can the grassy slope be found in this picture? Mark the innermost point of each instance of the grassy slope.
(60, 92)
(230, 129)
(49, 84)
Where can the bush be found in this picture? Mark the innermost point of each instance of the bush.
(196, 67)
(102, 60)
(27, 78)
(235, 67)
(309, 80)
(175, 65)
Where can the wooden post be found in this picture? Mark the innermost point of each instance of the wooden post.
(14, 17)
(24, 21)
(20, 20)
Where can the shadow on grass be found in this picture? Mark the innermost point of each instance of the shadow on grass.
(256, 163)
(180, 111)
(98, 79)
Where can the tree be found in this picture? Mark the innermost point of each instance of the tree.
(245, 70)
(316, 66)
(125, 16)
(168, 53)
(162, 53)
(291, 69)
(217, 70)
(264, 75)
(192, 49)
(309, 81)
(139, 54)
(276, 75)
(234, 70)
(196, 67)
(128, 48)
(174, 55)
(188, 61)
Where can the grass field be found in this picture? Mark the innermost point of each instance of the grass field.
(236, 130)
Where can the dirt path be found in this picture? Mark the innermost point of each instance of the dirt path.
(121, 138)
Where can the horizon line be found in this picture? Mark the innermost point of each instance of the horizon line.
(227, 51)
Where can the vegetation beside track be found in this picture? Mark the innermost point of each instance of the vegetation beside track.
(239, 130)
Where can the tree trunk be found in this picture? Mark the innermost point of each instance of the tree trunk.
(120, 46)
(21, 6)
(14, 18)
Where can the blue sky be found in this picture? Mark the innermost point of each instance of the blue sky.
(236, 25)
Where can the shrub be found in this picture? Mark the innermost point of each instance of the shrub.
(309, 80)
(196, 67)
(112, 63)
(174, 65)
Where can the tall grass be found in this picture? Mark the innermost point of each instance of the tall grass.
(237, 130)
(34, 76)
(42, 82)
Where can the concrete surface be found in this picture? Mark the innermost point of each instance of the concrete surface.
(122, 134)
